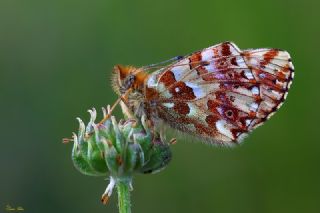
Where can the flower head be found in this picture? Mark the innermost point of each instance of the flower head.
(118, 149)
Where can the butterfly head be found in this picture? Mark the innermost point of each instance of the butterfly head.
(128, 82)
(127, 77)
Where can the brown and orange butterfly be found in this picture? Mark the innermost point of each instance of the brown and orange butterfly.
(217, 94)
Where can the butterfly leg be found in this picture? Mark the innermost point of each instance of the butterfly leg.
(121, 99)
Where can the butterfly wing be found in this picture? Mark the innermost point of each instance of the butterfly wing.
(221, 93)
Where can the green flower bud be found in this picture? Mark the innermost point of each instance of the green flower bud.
(118, 149)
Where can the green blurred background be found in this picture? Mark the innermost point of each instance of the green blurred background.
(55, 63)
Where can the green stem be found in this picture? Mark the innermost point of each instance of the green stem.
(124, 196)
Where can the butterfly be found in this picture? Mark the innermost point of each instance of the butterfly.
(218, 94)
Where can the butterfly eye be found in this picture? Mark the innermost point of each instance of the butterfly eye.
(127, 83)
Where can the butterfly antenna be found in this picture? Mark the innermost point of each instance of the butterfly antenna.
(177, 58)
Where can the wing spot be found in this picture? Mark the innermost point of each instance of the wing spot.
(182, 91)
(168, 78)
(254, 106)
(234, 61)
(211, 120)
(221, 126)
(229, 113)
(255, 90)
(285, 95)
(247, 74)
(262, 75)
(226, 49)
(168, 105)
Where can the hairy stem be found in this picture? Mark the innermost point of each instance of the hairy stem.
(123, 188)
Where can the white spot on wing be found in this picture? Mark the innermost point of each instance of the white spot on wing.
(221, 126)
(255, 90)
(248, 74)
(193, 111)
(197, 90)
(152, 81)
(254, 107)
(180, 69)
(165, 92)
(207, 54)
(177, 89)
(248, 121)
(211, 67)
(240, 62)
(220, 110)
(168, 105)
(262, 75)
(271, 114)
(291, 65)
(177, 71)
(279, 105)
(254, 61)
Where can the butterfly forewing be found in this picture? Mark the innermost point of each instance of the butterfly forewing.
(220, 93)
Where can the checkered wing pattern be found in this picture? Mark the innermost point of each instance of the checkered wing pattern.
(220, 93)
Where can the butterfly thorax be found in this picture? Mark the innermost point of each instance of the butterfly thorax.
(129, 82)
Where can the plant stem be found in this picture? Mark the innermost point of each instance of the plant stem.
(124, 196)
